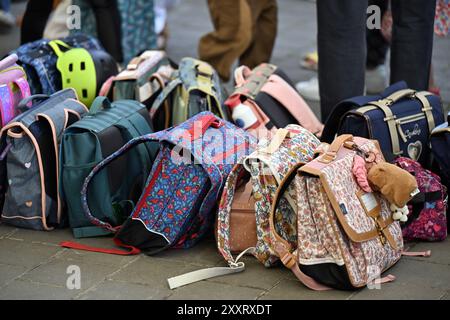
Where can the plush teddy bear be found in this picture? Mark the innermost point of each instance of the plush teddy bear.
(398, 186)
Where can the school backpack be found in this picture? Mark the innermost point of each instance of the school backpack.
(263, 170)
(141, 80)
(13, 88)
(266, 99)
(427, 214)
(346, 238)
(401, 122)
(29, 173)
(39, 61)
(195, 87)
(177, 206)
(106, 128)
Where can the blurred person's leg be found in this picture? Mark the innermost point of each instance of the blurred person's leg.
(342, 50)
(264, 17)
(108, 26)
(231, 36)
(35, 19)
(412, 41)
(377, 48)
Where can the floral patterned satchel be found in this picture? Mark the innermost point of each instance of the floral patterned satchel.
(345, 238)
(264, 169)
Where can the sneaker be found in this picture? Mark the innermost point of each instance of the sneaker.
(7, 20)
(376, 80)
(309, 89)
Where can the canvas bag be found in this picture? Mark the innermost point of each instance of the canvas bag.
(266, 166)
(402, 123)
(427, 215)
(332, 123)
(141, 78)
(265, 99)
(345, 238)
(13, 88)
(177, 206)
(106, 128)
(30, 159)
(195, 87)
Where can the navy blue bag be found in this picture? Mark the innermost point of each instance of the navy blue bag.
(440, 145)
(402, 123)
(332, 123)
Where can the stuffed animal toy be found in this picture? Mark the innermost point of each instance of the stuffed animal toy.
(398, 186)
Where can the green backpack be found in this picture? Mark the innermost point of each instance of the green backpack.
(195, 87)
(106, 128)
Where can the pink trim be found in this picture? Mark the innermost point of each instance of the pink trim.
(106, 87)
(293, 102)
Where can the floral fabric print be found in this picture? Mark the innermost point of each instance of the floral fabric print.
(431, 223)
(267, 171)
(179, 199)
(321, 237)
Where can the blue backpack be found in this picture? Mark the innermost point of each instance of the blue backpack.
(38, 59)
(177, 206)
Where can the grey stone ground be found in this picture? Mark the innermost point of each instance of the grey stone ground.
(33, 266)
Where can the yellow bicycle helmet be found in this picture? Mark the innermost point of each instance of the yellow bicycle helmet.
(84, 70)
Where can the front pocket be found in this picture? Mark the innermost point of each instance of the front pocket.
(24, 199)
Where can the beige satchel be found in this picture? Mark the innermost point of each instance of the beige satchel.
(346, 238)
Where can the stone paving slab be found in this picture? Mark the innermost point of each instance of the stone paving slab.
(33, 266)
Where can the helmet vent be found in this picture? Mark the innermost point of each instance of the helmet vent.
(84, 93)
(71, 67)
(82, 66)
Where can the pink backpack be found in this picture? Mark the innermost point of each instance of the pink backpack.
(427, 217)
(13, 88)
(265, 99)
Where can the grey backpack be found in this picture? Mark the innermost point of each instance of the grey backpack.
(29, 152)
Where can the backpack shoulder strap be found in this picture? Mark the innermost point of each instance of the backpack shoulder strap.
(162, 97)
(281, 246)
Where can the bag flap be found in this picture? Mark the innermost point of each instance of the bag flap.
(355, 210)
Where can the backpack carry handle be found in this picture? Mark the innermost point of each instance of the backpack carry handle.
(99, 103)
(280, 245)
(197, 130)
(26, 103)
(334, 148)
(396, 96)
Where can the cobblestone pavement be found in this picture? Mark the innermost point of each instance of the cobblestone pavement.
(33, 266)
